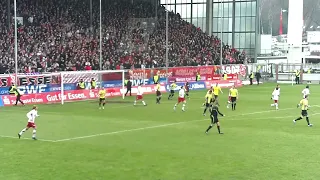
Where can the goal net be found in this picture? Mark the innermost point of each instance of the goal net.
(64, 87)
(112, 80)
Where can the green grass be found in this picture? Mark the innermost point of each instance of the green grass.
(156, 143)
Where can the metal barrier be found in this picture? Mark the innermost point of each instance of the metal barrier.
(286, 73)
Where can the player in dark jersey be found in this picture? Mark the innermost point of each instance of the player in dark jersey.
(214, 118)
(158, 93)
(186, 87)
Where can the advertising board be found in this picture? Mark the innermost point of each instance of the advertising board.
(72, 95)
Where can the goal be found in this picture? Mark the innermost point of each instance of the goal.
(61, 87)
(112, 80)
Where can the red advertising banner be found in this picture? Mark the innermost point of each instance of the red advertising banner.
(219, 77)
(73, 95)
(203, 78)
(224, 83)
(239, 69)
(54, 78)
(174, 71)
(206, 71)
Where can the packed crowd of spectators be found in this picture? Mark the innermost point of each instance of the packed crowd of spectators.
(61, 35)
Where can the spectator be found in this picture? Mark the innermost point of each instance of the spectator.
(57, 36)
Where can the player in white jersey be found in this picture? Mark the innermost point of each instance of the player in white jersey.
(139, 96)
(181, 99)
(31, 123)
(305, 92)
(275, 97)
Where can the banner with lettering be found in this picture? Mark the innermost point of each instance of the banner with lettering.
(193, 86)
(41, 83)
(224, 83)
(40, 88)
(190, 72)
(203, 78)
(72, 95)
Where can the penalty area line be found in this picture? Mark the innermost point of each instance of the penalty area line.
(128, 130)
(16, 137)
(157, 126)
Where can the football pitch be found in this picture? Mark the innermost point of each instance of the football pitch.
(123, 142)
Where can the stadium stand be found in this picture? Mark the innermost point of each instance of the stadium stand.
(58, 36)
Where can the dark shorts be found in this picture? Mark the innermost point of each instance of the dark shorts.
(233, 99)
(214, 119)
(102, 99)
(208, 104)
(215, 96)
(304, 113)
(172, 91)
(158, 93)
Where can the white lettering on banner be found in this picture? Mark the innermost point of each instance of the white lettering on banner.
(6, 100)
(53, 98)
(235, 69)
(65, 88)
(35, 100)
(92, 94)
(113, 94)
(185, 79)
(137, 75)
(136, 82)
(32, 89)
(223, 85)
(30, 100)
(165, 74)
(185, 72)
(147, 89)
(197, 86)
(72, 96)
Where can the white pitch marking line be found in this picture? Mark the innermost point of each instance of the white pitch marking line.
(153, 127)
(259, 112)
(16, 137)
(281, 117)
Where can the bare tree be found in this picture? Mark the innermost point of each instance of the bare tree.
(271, 18)
(262, 5)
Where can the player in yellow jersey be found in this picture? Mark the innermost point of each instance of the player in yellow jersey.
(102, 98)
(234, 95)
(209, 100)
(304, 103)
(216, 91)
(204, 104)
(173, 86)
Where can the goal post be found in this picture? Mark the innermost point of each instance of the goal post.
(106, 79)
(61, 87)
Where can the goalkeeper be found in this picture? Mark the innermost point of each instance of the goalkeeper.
(14, 90)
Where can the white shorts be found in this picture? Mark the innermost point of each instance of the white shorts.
(275, 98)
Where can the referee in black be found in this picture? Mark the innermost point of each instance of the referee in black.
(128, 83)
(14, 90)
(214, 118)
